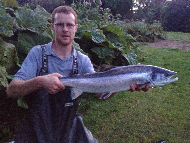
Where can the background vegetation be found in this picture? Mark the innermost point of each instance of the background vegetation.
(159, 114)
(107, 35)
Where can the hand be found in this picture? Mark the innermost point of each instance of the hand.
(138, 88)
(52, 84)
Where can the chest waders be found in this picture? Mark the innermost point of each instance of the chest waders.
(52, 118)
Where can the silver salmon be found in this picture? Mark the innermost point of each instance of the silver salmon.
(119, 79)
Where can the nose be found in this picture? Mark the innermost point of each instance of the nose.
(64, 28)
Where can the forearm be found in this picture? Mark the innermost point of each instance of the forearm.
(20, 88)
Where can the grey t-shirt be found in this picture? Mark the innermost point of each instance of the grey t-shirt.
(33, 63)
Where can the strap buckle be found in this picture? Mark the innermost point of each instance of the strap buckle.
(69, 104)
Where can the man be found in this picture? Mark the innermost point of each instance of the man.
(52, 109)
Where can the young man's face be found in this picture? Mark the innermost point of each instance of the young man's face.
(64, 27)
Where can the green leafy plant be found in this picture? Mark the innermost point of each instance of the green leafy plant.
(98, 28)
(145, 32)
(9, 3)
(109, 45)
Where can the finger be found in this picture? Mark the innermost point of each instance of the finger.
(139, 64)
(146, 88)
(54, 91)
(61, 86)
(132, 88)
(58, 75)
(138, 88)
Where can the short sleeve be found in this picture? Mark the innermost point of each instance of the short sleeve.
(30, 66)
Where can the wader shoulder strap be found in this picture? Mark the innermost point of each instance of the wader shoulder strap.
(75, 64)
(44, 68)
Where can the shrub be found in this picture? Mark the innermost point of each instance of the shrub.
(145, 32)
(10, 3)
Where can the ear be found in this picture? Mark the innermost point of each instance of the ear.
(76, 27)
(52, 27)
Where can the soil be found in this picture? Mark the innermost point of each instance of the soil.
(185, 46)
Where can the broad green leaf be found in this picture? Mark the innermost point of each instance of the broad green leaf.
(41, 11)
(131, 57)
(119, 32)
(8, 55)
(77, 47)
(97, 37)
(115, 42)
(49, 33)
(80, 31)
(103, 52)
(21, 102)
(31, 20)
(89, 24)
(3, 77)
(6, 23)
(28, 40)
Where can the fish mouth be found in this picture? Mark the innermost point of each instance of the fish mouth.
(168, 80)
(171, 78)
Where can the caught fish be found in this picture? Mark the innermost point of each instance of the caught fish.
(119, 79)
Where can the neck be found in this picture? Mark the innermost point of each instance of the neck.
(62, 50)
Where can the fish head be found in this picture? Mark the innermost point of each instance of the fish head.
(161, 76)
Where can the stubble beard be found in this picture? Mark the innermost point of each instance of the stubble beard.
(65, 43)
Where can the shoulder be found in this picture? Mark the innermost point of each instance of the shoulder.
(82, 56)
(84, 62)
(36, 50)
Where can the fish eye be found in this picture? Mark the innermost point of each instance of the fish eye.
(154, 77)
(166, 75)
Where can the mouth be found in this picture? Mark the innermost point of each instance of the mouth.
(171, 78)
(65, 36)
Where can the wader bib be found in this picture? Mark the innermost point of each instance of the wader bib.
(52, 118)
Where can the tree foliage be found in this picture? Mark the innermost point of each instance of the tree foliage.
(176, 16)
(9, 3)
(149, 10)
(122, 7)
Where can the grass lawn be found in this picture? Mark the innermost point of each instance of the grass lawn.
(145, 117)
(178, 36)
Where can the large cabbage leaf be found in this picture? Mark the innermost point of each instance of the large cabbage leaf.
(35, 21)
(9, 58)
(89, 29)
(103, 52)
(6, 23)
(3, 77)
(8, 62)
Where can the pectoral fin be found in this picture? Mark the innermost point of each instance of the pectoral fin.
(76, 93)
(143, 84)
(105, 95)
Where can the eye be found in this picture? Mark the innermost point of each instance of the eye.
(69, 25)
(60, 24)
(154, 77)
